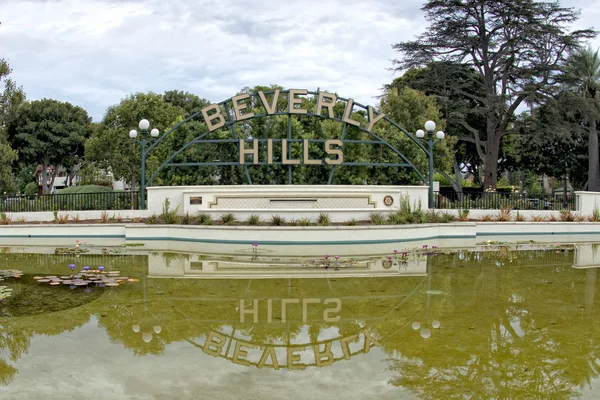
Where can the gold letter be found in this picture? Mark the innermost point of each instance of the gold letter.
(238, 352)
(370, 340)
(373, 118)
(237, 107)
(269, 151)
(345, 347)
(251, 311)
(269, 310)
(338, 308)
(210, 118)
(327, 354)
(269, 351)
(307, 160)
(293, 100)
(283, 304)
(322, 103)
(340, 159)
(305, 306)
(244, 151)
(284, 159)
(291, 357)
(210, 342)
(347, 112)
(271, 108)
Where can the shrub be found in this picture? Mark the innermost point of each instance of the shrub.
(539, 218)
(463, 215)
(31, 189)
(446, 218)
(396, 218)
(304, 221)
(204, 219)
(552, 218)
(433, 217)
(169, 216)
(187, 219)
(595, 215)
(62, 219)
(505, 214)
(103, 216)
(323, 220)
(486, 217)
(254, 220)
(352, 222)
(568, 216)
(153, 219)
(228, 219)
(519, 217)
(5, 219)
(377, 218)
(21, 220)
(277, 220)
(76, 218)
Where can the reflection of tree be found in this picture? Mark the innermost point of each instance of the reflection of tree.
(512, 332)
(16, 332)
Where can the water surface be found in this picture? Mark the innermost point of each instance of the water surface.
(491, 322)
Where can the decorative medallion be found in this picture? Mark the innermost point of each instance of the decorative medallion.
(388, 200)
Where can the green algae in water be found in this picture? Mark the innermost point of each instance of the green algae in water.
(27, 297)
(524, 329)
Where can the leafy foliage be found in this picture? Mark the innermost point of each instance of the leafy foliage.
(516, 47)
(49, 133)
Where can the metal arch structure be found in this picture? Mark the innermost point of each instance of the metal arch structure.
(229, 122)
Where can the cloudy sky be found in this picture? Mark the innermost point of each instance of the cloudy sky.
(93, 53)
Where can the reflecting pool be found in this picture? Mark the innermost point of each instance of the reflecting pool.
(497, 321)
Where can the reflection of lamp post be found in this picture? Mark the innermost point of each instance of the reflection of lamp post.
(146, 336)
(426, 332)
(144, 125)
(430, 127)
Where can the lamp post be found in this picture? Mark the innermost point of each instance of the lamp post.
(144, 126)
(430, 127)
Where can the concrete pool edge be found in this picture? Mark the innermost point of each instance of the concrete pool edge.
(446, 235)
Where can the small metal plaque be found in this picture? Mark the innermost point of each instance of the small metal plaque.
(388, 200)
(195, 200)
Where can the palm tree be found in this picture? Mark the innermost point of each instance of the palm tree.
(583, 73)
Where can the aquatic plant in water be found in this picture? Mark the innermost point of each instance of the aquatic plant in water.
(86, 278)
(5, 292)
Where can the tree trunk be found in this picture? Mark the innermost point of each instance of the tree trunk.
(490, 162)
(44, 177)
(593, 166)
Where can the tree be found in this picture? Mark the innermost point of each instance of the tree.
(438, 79)
(49, 133)
(582, 72)
(555, 144)
(110, 146)
(11, 97)
(516, 47)
(411, 108)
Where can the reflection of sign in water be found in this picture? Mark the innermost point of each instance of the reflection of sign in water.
(291, 356)
(327, 313)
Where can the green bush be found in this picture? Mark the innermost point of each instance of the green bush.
(304, 222)
(31, 189)
(277, 220)
(85, 189)
(254, 220)
(323, 220)
(228, 219)
(204, 219)
(377, 218)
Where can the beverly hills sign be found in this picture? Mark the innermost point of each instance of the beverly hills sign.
(215, 118)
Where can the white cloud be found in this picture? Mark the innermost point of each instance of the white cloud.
(93, 53)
